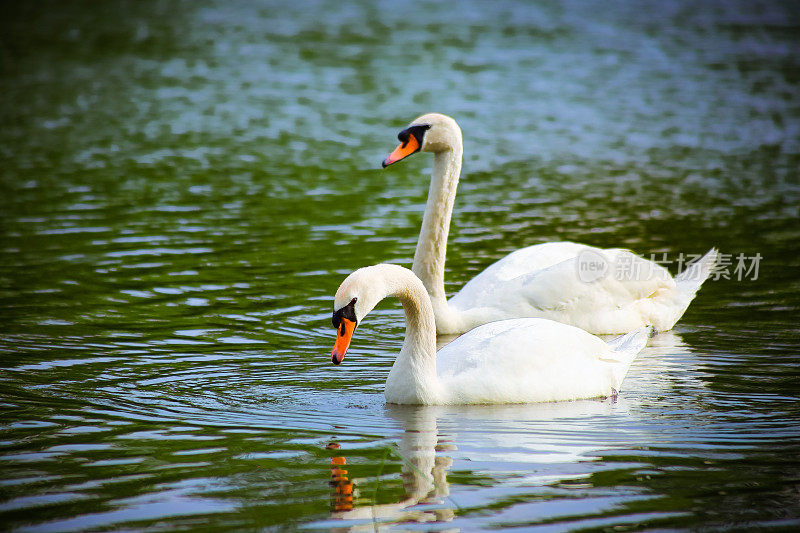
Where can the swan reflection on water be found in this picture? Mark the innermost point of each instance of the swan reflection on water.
(536, 444)
(424, 475)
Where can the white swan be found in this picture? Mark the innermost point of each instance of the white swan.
(512, 361)
(600, 291)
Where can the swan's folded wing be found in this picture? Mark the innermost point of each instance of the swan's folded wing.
(481, 290)
(601, 291)
(604, 280)
(530, 259)
(524, 360)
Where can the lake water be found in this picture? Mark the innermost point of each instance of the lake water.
(185, 184)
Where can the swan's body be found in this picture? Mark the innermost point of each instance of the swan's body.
(551, 280)
(511, 361)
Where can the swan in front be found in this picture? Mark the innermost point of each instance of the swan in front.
(603, 291)
(522, 360)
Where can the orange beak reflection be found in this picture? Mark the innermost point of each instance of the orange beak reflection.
(342, 494)
(343, 336)
(402, 151)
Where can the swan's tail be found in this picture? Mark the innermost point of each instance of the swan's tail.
(672, 305)
(690, 280)
(625, 349)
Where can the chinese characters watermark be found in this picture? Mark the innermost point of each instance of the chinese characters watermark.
(625, 266)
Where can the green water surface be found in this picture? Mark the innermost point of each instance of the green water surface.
(185, 184)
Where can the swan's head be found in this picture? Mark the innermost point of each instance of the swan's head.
(432, 132)
(358, 294)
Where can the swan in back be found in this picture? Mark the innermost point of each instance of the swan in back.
(602, 291)
(521, 360)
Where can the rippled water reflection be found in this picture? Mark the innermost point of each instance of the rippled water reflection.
(186, 184)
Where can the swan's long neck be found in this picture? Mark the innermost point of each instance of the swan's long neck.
(413, 376)
(429, 256)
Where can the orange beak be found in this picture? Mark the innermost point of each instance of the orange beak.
(343, 336)
(401, 152)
